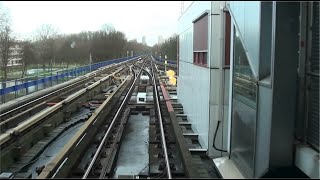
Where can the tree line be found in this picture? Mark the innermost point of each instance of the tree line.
(168, 47)
(47, 46)
(50, 48)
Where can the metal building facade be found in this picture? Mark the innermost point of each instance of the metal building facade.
(203, 90)
(256, 100)
(267, 52)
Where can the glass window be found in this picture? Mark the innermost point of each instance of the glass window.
(244, 85)
(200, 40)
(205, 60)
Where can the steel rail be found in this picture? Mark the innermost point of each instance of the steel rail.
(43, 97)
(110, 127)
(62, 89)
(163, 140)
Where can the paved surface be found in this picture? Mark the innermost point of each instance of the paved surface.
(58, 137)
(134, 153)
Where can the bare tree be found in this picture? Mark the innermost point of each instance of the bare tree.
(4, 18)
(169, 48)
(46, 31)
(6, 42)
(108, 27)
(27, 56)
(136, 47)
(45, 35)
(104, 44)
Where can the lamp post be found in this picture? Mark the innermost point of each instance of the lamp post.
(72, 45)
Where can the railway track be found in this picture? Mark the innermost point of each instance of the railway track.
(93, 151)
(108, 136)
(9, 118)
(23, 133)
(159, 115)
(99, 128)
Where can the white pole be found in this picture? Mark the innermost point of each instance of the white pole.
(165, 63)
(90, 60)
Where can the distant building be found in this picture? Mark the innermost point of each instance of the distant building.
(160, 39)
(144, 40)
(15, 55)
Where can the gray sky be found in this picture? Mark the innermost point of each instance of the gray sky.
(134, 18)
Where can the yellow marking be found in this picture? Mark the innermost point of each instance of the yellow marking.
(172, 80)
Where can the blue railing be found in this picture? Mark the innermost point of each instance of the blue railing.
(72, 72)
(162, 60)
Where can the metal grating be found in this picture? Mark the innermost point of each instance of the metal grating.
(313, 114)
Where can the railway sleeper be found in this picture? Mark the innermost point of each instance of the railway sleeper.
(84, 144)
(38, 131)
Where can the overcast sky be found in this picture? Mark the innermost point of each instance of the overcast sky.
(134, 18)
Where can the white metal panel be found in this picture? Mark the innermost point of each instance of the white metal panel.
(227, 168)
(218, 110)
(264, 125)
(217, 41)
(203, 105)
(215, 86)
(308, 161)
(224, 125)
(214, 113)
(186, 46)
(217, 6)
(215, 95)
(226, 108)
(193, 93)
(141, 97)
(226, 86)
(230, 86)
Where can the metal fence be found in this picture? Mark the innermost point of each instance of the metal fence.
(11, 90)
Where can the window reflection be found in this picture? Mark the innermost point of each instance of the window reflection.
(244, 85)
